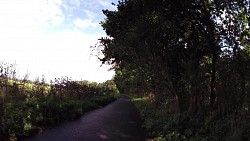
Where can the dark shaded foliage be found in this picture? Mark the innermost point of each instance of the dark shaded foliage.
(187, 57)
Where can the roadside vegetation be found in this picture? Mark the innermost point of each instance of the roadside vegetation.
(190, 62)
(165, 126)
(29, 107)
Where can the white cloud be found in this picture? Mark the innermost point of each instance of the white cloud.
(71, 5)
(90, 14)
(66, 52)
(105, 3)
(85, 23)
(50, 13)
(31, 13)
(75, 3)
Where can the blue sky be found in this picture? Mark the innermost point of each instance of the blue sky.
(53, 37)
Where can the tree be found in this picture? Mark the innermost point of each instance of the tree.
(175, 49)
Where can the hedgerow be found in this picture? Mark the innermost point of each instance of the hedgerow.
(33, 115)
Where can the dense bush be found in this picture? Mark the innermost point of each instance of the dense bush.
(27, 107)
(29, 116)
(164, 126)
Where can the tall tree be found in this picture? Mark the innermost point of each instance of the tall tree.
(174, 47)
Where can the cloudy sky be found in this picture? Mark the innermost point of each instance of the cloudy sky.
(53, 37)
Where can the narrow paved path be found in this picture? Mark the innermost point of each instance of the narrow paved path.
(119, 121)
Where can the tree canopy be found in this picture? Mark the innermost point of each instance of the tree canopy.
(195, 51)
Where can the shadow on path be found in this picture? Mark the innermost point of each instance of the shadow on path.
(118, 121)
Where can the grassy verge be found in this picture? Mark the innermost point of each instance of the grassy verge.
(33, 115)
(164, 126)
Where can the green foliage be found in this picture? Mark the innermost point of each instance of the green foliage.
(103, 100)
(165, 126)
(27, 107)
(189, 58)
(170, 49)
(29, 116)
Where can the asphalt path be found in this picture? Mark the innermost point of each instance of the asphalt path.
(118, 121)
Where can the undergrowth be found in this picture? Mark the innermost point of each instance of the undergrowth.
(33, 115)
(165, 126)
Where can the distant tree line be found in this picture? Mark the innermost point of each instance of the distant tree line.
(13, 88)
(27, 107)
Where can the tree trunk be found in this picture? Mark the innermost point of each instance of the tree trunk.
(213, 81)
(243, 90)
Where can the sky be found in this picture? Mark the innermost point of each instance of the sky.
(53, 37)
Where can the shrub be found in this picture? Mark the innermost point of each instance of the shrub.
(165, 126)
(27, 117)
